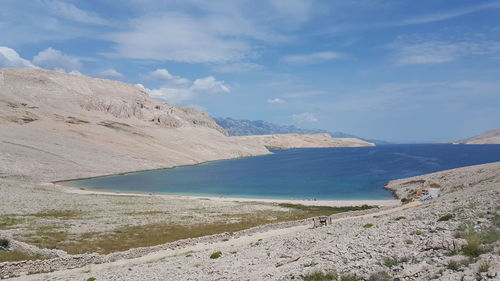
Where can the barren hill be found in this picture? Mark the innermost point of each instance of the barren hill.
(285, 141)
(488, 137)
(55, 125)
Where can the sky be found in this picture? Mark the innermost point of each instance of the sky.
(397, 70)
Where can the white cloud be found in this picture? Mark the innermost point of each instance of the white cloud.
(55, 60)
(317, 57)
(304, 117)
(182, 92)
(209, 84)
(163, 75)
(237, 67)
(275, 100)
(10, 58)
(111, 73)
(71, 12)
(420, 50)
(444, 15)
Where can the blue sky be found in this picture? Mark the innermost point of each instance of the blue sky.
(403, 71)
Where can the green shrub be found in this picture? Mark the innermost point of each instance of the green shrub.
(4, 243)
(416, 232)
(380, 276)
(473, 248)
(400, 218)
(189, 255)
(496, 220)
(216, 255)
(405, 200)
(318, 275)
(390, 262)
(350, 277)
(453, 265)
(368, 225)
(91, 279)
(446, 217)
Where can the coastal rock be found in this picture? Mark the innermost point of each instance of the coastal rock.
(286, 141)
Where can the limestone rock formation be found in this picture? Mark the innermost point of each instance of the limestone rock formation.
(488, 137)
(285, 141)
(55, 125)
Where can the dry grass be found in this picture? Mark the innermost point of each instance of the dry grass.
(125, 238)
(16, 256)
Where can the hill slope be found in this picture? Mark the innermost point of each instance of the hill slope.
(59, 126)
(239, 127)
(488, 137)
(285, 141)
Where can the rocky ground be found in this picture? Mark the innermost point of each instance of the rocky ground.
(453, 237)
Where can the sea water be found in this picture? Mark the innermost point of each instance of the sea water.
(312, 173)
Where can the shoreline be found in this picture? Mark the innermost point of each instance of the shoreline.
(305, 202)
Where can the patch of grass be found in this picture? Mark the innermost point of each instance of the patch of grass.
(380, 276)
(416, 232)
(319, 275)
(451, 253)
(350, 277)
(368, 225)
(197, 265)
(313, 211)
(484, 266)
(59, 214)
(496, 220)
(8, 222)
(189, 255)
(473, 248)
(216, 255)
(490, 235)
(17, 256)
(400, 218)
(390, 261)
(446, 217)
(453, 265)
(92, 279)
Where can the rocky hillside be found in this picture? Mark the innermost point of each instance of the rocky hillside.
(286, 141)
(57, 125)
(488, 137)
(239, 127)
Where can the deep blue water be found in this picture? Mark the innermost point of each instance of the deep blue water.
(322, 173)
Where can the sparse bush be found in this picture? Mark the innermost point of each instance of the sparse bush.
(496, 220)
(368, 225)
(490, 235)
(453, 265)
(473, 248)
(4, 243)
(416, 232)
(405, 200)
(318, 275)
(189, 255)
(350, 277)
(380, 276)
(446, 217)
(91, 279)
(390, 262)
(216, 255)
(484, 266)
(400, 218)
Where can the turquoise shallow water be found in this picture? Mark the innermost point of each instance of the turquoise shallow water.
(321, 173)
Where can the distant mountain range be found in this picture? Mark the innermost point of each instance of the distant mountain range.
(489, 137)
(239, 127)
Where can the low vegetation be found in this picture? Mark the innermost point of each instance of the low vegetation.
(380, 276)
(390, 261)
(216, 255)
(477, 240)
(368, 225)
(318, 275)
(446, 217)
(128, 237)
(17, 256)
(400, 218)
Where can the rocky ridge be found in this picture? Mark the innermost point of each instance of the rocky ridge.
(286, 141)
(488, 137)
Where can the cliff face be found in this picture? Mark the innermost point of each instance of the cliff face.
(285, 141)
(488, 137)
(57, 126)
